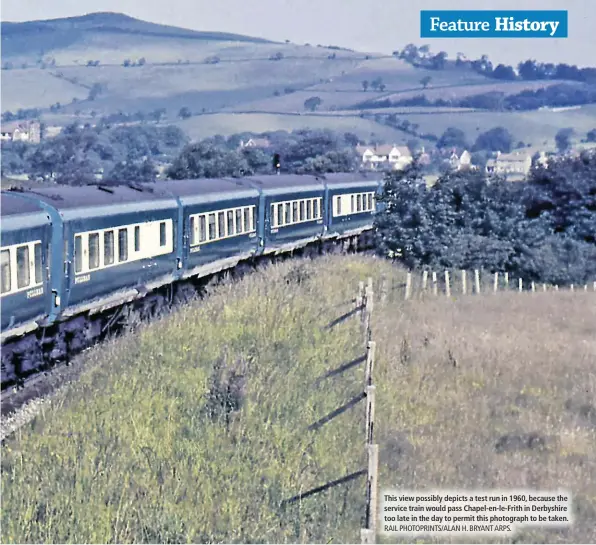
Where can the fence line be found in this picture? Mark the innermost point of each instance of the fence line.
(369, 532)
(448, 285)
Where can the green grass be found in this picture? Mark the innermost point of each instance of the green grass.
(139, 450)
(227, 123)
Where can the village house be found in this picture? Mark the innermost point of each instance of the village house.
(513, 165)
(385, 156)
(22, 132)
(255, 143)
(461, 162)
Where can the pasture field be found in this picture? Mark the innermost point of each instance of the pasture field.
(193, 428)
(226, 124)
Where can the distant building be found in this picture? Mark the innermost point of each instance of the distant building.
(385, 156)
(461, 162)
(22, 132)
(512, 165)
(255, 143)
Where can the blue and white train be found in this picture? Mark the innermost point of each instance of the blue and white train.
(73, 257)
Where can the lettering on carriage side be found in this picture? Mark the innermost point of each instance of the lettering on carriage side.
(273, 231)
(83, 278)
(195, 249)
(34, 293)
(252, 235)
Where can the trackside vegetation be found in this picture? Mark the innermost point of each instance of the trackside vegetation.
(193, 428)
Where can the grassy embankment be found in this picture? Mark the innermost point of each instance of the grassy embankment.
(140, 448)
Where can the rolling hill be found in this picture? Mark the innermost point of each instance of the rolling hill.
(231, 83)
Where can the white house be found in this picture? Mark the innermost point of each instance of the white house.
(385, 156)
(461, 162)
(516, 164)
(255, 143)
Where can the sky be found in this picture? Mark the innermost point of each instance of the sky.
(361, 25)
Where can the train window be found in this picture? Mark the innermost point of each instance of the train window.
(93, 250)
(280, 214)
(247, 228)
(221, 225)
(370, 201)
(294, 211)
(137, 238)
(239, 228)
(358, 203)
(108, 247)
(272, 215)
(352, 204)
(38, 263)
(162, 233)
(308, 209)
(78, 254)
(288, 218)
(193, 230)
(230, 223)
(202, 228)
(5, 264)
(122, 244)
(302, 211)
(23, 273)
(315, 209)
(338, 205)
(211, 226)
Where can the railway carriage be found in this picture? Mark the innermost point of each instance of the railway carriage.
(72, 254)
(292, 210)
(351, 202)
(25, 271)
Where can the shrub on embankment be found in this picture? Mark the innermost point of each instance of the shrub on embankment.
(484, 391)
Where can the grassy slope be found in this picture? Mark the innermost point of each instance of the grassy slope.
(245, 80)
(129, 454)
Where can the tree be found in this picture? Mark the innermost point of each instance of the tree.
(563, 139)
(425, 81)
(452, 138)
(184, 112)
(365, 85)
(126, 63)
(591, 136)
(95, 91)
(142, 61)
(505, 72)
(312, 103)
(439, 61)
(132, 171)
(205, 160)
(495, 139)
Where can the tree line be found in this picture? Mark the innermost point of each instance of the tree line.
(554, 96)
(82, 155)
(528, 70)
(543, 229)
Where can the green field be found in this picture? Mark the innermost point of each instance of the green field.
(194, 428)
(245, 81)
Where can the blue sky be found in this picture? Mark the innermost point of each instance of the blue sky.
(362, 25)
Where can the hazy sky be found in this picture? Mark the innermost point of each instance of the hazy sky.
(364, 25)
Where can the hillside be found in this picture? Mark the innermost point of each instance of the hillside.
(194, 428)
(132, 65)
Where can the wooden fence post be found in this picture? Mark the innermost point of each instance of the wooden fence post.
(424, 280)
(360, 298)
(435, 287)
(594, 286)
(463, 281)
(556, 287)
(383, 289)
(447, 285)
(408, 285)
(543, 287)
(585, 287)
(520, 284)
(571, 287)
(506, 280)
(477, 280)
(370, 362)
(533, 286)
(496, 283)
